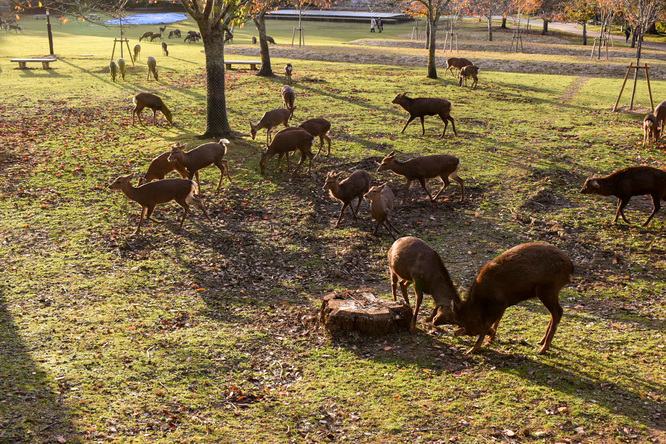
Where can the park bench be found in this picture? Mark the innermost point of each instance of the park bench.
(253, 63)
(44, 61)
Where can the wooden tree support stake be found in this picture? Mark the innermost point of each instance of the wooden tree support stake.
(121, 41)
(647, 77)
(449, 38)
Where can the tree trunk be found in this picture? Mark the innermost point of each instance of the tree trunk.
(217, 122)
(432, 42)
(584, 33)
(266, 68)
(639, 44)
(427, 40)
(545, 27)
(490, 28)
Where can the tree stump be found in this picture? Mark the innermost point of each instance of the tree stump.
(362, 312)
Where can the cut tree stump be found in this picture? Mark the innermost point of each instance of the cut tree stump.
(349, 311)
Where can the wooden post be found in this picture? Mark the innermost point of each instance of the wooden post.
(626, 76)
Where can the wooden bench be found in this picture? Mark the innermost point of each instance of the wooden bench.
(253, 63)
(45, 62)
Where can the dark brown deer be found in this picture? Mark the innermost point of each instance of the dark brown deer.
(270, 120)
(165, 50)
(650, 129)
(422, 168)
(533, 270)
(466, 72)
(211, 153)
(318, 128)
(412, 261)
(289, 139)
(381, 199)
(146, 35)
(628, 182)
(161, 166)
(421, 107)
(151, 101)
(353, 187)
(152, 194)
(288, 70)
(156, 36)
(288, 97)
(660, 114)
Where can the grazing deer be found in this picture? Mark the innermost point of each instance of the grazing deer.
(650, 129)
(152, 67)
(154, 193)
(146, 35)
(466, 72)
(413, 261)
(165, 51)
(533, 270)
(421, 107)
(156, 36)
(457, 63)
(160, 166)
(148, 100)
(289, 139)
(422, 168)
(137, 52)
(288, 97)
(628, 182)
(353, 187)
(318, 128)
(113, 68)
(122, 67)
(270, 120)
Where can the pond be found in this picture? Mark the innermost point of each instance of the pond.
(158, 18)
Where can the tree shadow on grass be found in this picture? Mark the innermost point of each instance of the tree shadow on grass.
(30, 408)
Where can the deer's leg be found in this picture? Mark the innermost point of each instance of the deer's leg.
(656, 206)
(154, 116)
(328, 140)
(149, 214)
(453, 125)
(621, 203)
(423, 184)
(403, 288)
(389, 226)
(549, 297)
(358, 205)
(460, 182)
(418, 289)
(422, 125)
(143, 214)
(186, 207)
(493, 329)
(408, 122)
(342, 210)
(198, 203)
(409, 184)
(445, 181)
(196, 174)
(477, 344)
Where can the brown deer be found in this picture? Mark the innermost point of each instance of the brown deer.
(288, 97)
(113, 68)
(289, 139)
(318, 128)
(650, 129)
(628, 182)
(533, 270)
(660, 114)
(421, 107)
(411, 260)
(148, 100)
(200, 157)
(165, 50)
(270, 120)
(146, 35)
(381, 199)
(353, 187)
(161, 166)
(156, 36)
(422, 168)
(137, 52)
(152, 194)
(466, 72)
(456, 62)
(122, 67)
(288, 70)
(152, 67)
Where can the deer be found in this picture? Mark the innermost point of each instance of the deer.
(526, 271)
(381, 199)
(113, 68)
(200, 157)
(411, 260)
(650, 129)
(270, 120)
(152, 194)
(270, 39)
(156, 36)
(163, 28)
(422, 168)
(148, 100)
(146, 35)
(466, 72)
(456, 62)
(288, 69)
(152, 67)
(288, 97)
(174, 34)
(353, 187)
(122, 67)
(160, 166)
(289, 139)
(629, 182)
(421, 107)
(318, 128)
(137, 52)
(228, 36)
(165, 51)
(660, 114)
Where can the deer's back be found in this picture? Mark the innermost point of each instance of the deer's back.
(411, 258)
(636, 181)
(431, 166)
(165, 190)
(428, 106)
(660, 110)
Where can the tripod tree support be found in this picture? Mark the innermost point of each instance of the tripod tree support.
(647, 77)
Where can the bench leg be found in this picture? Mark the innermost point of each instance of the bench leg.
(45, 65)
(228, 66)
(22, 65)
(253, 66)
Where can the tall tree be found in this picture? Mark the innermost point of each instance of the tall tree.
(581, 12)
(432, 9)
(258, 11)
(488, 9)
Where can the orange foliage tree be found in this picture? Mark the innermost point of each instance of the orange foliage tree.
(432, 10)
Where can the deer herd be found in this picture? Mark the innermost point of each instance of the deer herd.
(531, 270)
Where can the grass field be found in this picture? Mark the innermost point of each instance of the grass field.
(209, 334)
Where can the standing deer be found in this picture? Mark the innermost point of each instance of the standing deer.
(146, 35)
(318, 128)
(152, 67)
(137, 52)
(456, 62)
(211, 153)
(113, 68)
(165, 51)
(421, 168)
(288, 97)
(154, 193)
(466, 72)
(122, 67)
(381, 205)
(650, 129)
(421, 107)
(353, 187)
(289, 139)
(288, 69)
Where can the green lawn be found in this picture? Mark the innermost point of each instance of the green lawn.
(210, 333)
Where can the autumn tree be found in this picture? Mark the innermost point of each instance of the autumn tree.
(432, 10)
(547, 10)
(581, 12)
(258, 11)
(488, 9)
